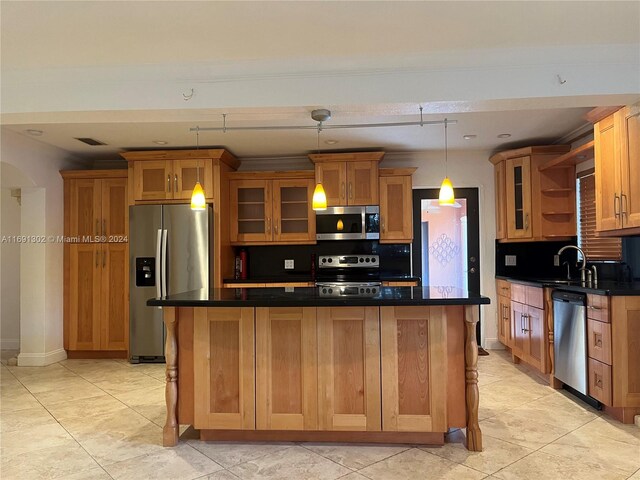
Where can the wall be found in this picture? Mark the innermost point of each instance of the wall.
(10, 272)
(41, 272)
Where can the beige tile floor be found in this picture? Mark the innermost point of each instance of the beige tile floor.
(101, 419)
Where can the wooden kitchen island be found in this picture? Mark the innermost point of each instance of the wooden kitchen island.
(284, 364)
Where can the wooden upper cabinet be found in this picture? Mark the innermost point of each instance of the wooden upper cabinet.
(617, 154)
(629, 118)
(535, 197)
(286, 369)
(152, 180)
(159, 175)
(273, 208)
(333, 177)
(608, 176)
(185, 175)
(293, 215)
(251, 212)
(501, 197)
(362, 183)
(396, 208)
(349, 369)
(518, 188)
(348, 178)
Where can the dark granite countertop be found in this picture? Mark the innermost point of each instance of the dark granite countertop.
(310, 297)
(307, 278)
(605, 287)
(271, 279)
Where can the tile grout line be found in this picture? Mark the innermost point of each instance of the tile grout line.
(62, 426)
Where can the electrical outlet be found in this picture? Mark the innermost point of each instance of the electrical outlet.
(288, 264)
(556, 260)
(510, 260)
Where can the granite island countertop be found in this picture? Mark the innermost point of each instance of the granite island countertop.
(311, 297)
(604, 287)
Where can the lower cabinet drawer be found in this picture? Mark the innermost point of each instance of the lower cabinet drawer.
(600, 381)
(599, 341)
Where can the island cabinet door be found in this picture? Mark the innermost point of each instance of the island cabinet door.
(414, 368)
(287, 366)
(224, 368)
(349, 368)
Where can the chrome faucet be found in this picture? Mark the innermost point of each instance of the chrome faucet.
(583, 268)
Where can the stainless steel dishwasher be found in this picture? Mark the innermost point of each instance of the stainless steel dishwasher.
(570, 339)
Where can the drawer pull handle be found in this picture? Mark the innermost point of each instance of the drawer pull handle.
(598, 382)
(598, 342)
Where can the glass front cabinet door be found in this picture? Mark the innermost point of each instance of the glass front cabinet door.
(518, 183)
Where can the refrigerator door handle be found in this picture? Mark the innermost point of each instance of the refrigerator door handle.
(158, 263)
(164, 263)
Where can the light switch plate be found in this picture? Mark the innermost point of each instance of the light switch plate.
(288, 264)
(510, 260)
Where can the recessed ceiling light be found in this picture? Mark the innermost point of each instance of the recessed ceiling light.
(504, 135)
(331, 142)
(160, 142)
(469, 137)
(34, 132)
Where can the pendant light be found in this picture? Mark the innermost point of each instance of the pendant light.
(446, 196)
(319, 196)
(198, 201)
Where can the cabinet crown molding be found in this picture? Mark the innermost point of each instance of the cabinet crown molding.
(346, 157)
(526, 151)
(204, 153)
(112, 173)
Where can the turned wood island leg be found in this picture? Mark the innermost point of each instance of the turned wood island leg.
(474, 435)
(171, 427)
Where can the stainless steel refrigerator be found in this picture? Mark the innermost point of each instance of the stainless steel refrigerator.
(170, 251)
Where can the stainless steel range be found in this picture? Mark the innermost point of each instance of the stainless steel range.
(349, 275)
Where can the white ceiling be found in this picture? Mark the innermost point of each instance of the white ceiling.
(83, 40)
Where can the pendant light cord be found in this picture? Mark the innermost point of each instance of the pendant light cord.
(198, 148)
(446, 149)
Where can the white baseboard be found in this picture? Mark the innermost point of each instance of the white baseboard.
(41, 359)
(10, 344)
(493, 344)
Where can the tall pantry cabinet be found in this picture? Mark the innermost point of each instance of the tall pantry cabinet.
(96, 253)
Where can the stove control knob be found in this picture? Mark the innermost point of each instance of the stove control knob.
(331, 290)
(324, 290)
(330, 260)
(361, 259)
(373, 259)
(366, 259)
(324, 260)
(362, 290)
(368, 290)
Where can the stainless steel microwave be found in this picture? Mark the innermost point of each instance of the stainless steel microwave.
(348, 223)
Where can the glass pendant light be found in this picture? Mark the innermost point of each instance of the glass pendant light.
(198, 201)
(319, 197)
(446, 196)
